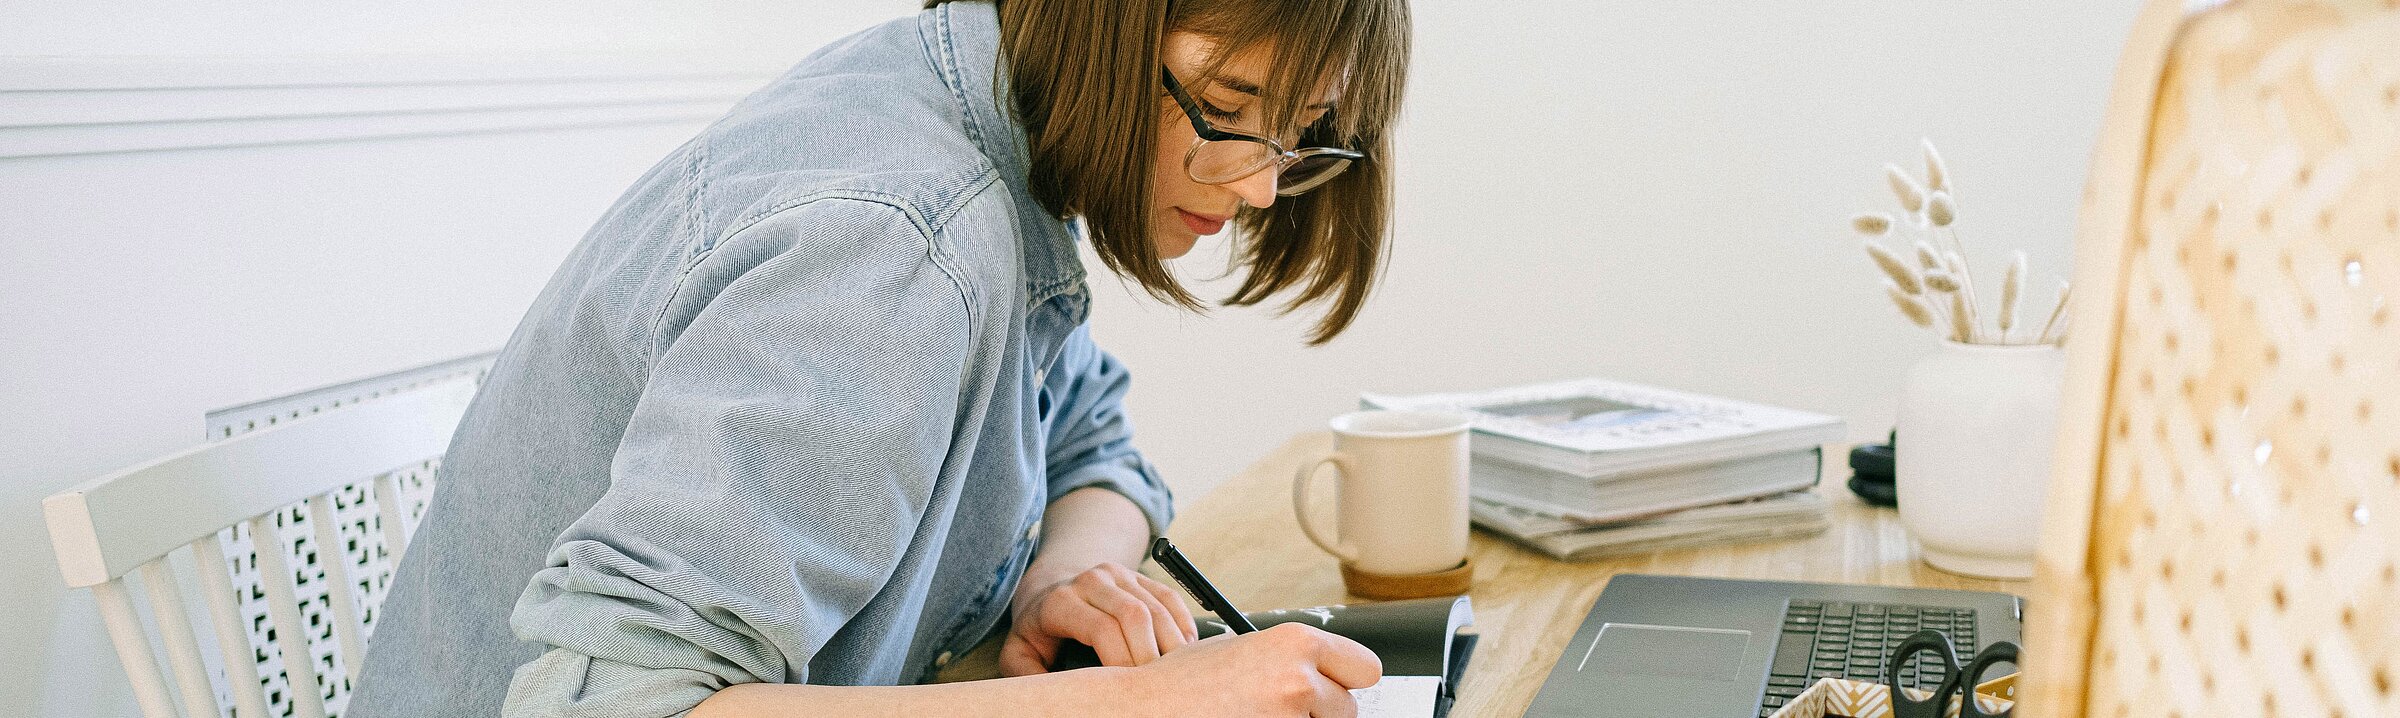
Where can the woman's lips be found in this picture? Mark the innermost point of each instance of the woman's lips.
(1201, 224)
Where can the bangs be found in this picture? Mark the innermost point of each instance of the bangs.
(1357, 47)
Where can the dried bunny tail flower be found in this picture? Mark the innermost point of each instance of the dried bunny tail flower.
(2011, 285)
(1961, 324)
(1909, 305)
(1940, 281)
(1941, 209)
(1927, 257)
(1872, 224)
(2058, 313)
(1937, 174)
(1957, 264)
(1966, 288)
(1898, 271)
(1912, 197)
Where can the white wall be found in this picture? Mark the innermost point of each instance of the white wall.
(1657, 192)
(1652, 191)
(141, 289)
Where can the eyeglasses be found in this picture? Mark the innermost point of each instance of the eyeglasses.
(1218, 156)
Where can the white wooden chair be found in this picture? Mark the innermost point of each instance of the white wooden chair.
(333, 479)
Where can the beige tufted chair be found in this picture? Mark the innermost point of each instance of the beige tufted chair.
(2224, 524)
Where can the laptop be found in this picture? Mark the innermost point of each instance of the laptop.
(1682, 646)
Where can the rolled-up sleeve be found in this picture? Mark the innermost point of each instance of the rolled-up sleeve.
(1090, 440)
(783, 452)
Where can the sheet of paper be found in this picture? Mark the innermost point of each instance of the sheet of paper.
(1398, 697)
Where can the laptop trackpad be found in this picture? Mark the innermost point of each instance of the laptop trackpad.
(1664, 670)
(1708, 654)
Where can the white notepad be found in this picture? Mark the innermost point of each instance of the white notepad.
(1398, 697)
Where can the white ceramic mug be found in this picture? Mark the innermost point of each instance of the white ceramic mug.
(1401, 506)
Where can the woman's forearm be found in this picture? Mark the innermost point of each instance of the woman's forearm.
(1082, 529)
(1069, 693)
(1085, 528)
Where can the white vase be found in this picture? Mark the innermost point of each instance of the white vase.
(1973, 456)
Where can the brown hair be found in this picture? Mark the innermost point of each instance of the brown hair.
(1085, 78)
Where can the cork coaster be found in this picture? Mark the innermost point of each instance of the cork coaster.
(1385, 586)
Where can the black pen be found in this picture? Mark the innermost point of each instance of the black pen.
(1193, 583)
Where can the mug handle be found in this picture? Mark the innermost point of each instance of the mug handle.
(1300, 484)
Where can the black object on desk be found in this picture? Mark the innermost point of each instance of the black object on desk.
(1421, 637)
(1416, 637)
(1871, 472)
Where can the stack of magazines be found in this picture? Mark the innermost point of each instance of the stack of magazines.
(1590, 468)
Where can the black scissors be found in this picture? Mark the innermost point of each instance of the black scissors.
(1958, 682)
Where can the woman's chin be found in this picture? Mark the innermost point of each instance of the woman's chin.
(1173, 244)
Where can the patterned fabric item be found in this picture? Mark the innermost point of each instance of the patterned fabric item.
(1846, 698)
(2243, 533)
(2223, 538)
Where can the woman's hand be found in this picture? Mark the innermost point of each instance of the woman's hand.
(1127, 618)
(1287, 670)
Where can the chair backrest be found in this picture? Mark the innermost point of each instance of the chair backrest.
(294, 513)
(2224, 523)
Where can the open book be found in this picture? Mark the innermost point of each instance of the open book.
(1424, 644)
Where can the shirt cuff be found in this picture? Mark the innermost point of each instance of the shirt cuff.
(565, 684)
(1132, 478)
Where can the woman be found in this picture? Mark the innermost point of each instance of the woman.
(813, 408)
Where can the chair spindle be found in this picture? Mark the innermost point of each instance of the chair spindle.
(283, 609)
(330, 555)
(233, 640)
(133, 649)
(183, 646)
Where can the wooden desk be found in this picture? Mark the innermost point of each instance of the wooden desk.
(1526, 604)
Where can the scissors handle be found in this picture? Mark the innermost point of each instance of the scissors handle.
(1905, 654)
(1972, 675)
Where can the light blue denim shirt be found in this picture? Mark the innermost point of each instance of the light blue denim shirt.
(791, 411)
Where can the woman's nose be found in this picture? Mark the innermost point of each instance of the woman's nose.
(1258, 189)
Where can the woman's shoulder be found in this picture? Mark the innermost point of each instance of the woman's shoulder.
(868, 258)
(856, 161)
(868, 116)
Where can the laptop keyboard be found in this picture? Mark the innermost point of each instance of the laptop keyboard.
(1833, 639)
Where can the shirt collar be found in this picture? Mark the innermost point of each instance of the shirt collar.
(965, 40)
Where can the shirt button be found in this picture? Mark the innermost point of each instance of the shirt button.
(1034, 531)
(1040, 377)
(943, 661)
